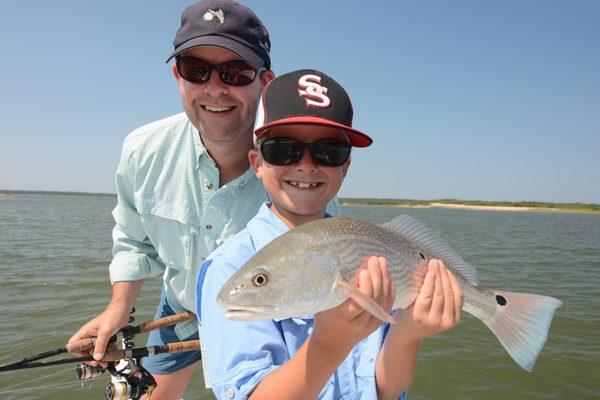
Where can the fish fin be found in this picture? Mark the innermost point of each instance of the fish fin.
(366, 302)
(424, 237)
(522, 324)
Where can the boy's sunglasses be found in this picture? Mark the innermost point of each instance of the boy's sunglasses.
(234, 73)
(285, 151)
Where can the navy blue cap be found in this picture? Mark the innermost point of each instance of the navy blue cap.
(226, 24)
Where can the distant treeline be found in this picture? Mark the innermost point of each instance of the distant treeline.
(527, 204)
(54, 193)
(388, 202)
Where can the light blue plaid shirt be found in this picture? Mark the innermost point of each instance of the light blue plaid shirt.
(171, 213)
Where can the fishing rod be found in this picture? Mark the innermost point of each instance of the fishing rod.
(129, 379)
(109, 356)
(85, 345)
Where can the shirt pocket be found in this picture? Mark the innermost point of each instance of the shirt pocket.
(173, 240)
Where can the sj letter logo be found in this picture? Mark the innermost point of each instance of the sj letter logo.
(309, 87)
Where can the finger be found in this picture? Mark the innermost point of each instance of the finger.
(437, 303)
(392, 298)
(447, 319)
(101, 343)
(425, 297)
(458, 297)
(376, 279)
(386, 284)
(83, 333)
(364, 285)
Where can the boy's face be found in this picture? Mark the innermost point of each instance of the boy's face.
(295, 204)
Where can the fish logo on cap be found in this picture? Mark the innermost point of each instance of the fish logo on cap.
(211, 14)
(309, 87)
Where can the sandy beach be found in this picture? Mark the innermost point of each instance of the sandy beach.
(491, 208)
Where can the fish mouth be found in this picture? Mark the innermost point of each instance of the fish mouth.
(249, 312)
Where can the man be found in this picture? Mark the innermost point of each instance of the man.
(184, 183)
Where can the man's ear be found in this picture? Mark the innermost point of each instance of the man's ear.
(178, 78)
(346, 166)
(255, 162)
(267, 76)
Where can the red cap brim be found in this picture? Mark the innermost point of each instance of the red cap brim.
(357, 138)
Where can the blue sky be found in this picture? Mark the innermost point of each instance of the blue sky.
(465, 99)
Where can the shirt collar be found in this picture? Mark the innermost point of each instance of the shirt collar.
(202, 152)
(198, 145)
(265, 227)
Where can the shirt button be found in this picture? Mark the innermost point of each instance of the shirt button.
(209, 226)
(229, 392)
(209, 185)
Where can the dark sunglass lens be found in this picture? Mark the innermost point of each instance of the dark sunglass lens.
(331, 153)
(281, 151)
(237, 73)
(193, 69)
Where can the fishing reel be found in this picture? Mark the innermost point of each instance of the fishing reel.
(130, 383)
(129, 379)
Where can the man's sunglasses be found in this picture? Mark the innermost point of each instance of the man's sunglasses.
(234, 73)
(285, 151)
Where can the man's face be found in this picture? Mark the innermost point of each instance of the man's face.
(221, 113)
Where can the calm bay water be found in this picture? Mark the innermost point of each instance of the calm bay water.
(55, 249)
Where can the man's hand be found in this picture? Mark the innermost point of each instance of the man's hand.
(437, 307)
(340, 328)
(111, 320)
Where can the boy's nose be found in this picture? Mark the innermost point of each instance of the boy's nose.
(306, 163)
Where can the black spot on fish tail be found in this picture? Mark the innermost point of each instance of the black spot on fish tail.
(500, 300)
(422, 256)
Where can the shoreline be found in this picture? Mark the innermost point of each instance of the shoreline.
(476, 205)
(462, 206)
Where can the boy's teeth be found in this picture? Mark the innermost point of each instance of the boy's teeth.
(303, 185)
(217, 109)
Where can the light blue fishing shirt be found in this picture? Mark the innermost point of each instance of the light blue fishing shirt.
(171, 213)
(239, 355)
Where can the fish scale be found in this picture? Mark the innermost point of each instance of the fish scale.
(312, 268)
(407, 268)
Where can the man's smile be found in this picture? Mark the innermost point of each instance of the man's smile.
(216, 109)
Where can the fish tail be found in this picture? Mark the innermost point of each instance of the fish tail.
(521, 322)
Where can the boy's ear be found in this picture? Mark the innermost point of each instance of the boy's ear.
(346, 166)
(255, 162)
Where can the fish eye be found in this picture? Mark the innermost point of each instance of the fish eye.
(260, 279)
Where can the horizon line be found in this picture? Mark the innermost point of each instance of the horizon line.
(59, 192)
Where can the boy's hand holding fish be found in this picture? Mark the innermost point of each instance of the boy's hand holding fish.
(436, 309)
(340, 328)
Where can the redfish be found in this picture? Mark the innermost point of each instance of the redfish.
(311, 269)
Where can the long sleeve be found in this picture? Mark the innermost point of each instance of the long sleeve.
(134, 256)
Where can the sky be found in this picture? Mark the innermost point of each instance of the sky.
(488, 100)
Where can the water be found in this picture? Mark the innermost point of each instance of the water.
(55, 249)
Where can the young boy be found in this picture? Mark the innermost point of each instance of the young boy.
(304, 137)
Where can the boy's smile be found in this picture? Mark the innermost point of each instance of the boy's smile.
(300, 192)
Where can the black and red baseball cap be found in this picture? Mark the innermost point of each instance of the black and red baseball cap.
(307, 97)
(226, 24)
